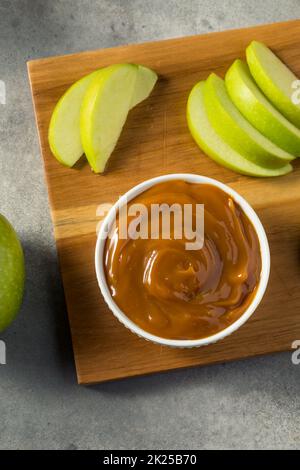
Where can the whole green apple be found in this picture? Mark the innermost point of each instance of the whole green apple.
(12, 273)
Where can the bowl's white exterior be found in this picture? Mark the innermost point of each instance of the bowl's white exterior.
(264, 247)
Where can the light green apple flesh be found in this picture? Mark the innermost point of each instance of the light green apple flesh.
(64, 129)
(12, 273)
(214, 146)
(104, 110)
(275, 79)
(255, 107)
(231, 125)
(145, 82)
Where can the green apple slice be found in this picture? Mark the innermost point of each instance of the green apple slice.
(212, 144)
(104, 111)
(145, 81)
(12, 273)
(275, 79)
(64, 130)
(255, 107)
(231, 125)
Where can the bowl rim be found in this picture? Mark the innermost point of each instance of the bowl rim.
(264, 250)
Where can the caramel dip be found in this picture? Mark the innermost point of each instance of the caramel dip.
(182, 294)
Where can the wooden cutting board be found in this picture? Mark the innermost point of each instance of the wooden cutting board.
(156, 141)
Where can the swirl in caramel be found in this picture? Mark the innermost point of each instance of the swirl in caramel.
(182, 294)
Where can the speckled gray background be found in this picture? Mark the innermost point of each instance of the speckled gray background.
(249, 404)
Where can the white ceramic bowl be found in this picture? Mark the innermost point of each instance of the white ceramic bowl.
(264, 248)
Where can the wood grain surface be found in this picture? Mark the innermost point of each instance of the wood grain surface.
(156, 141)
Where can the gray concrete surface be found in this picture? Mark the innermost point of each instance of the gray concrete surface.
(249, 404)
